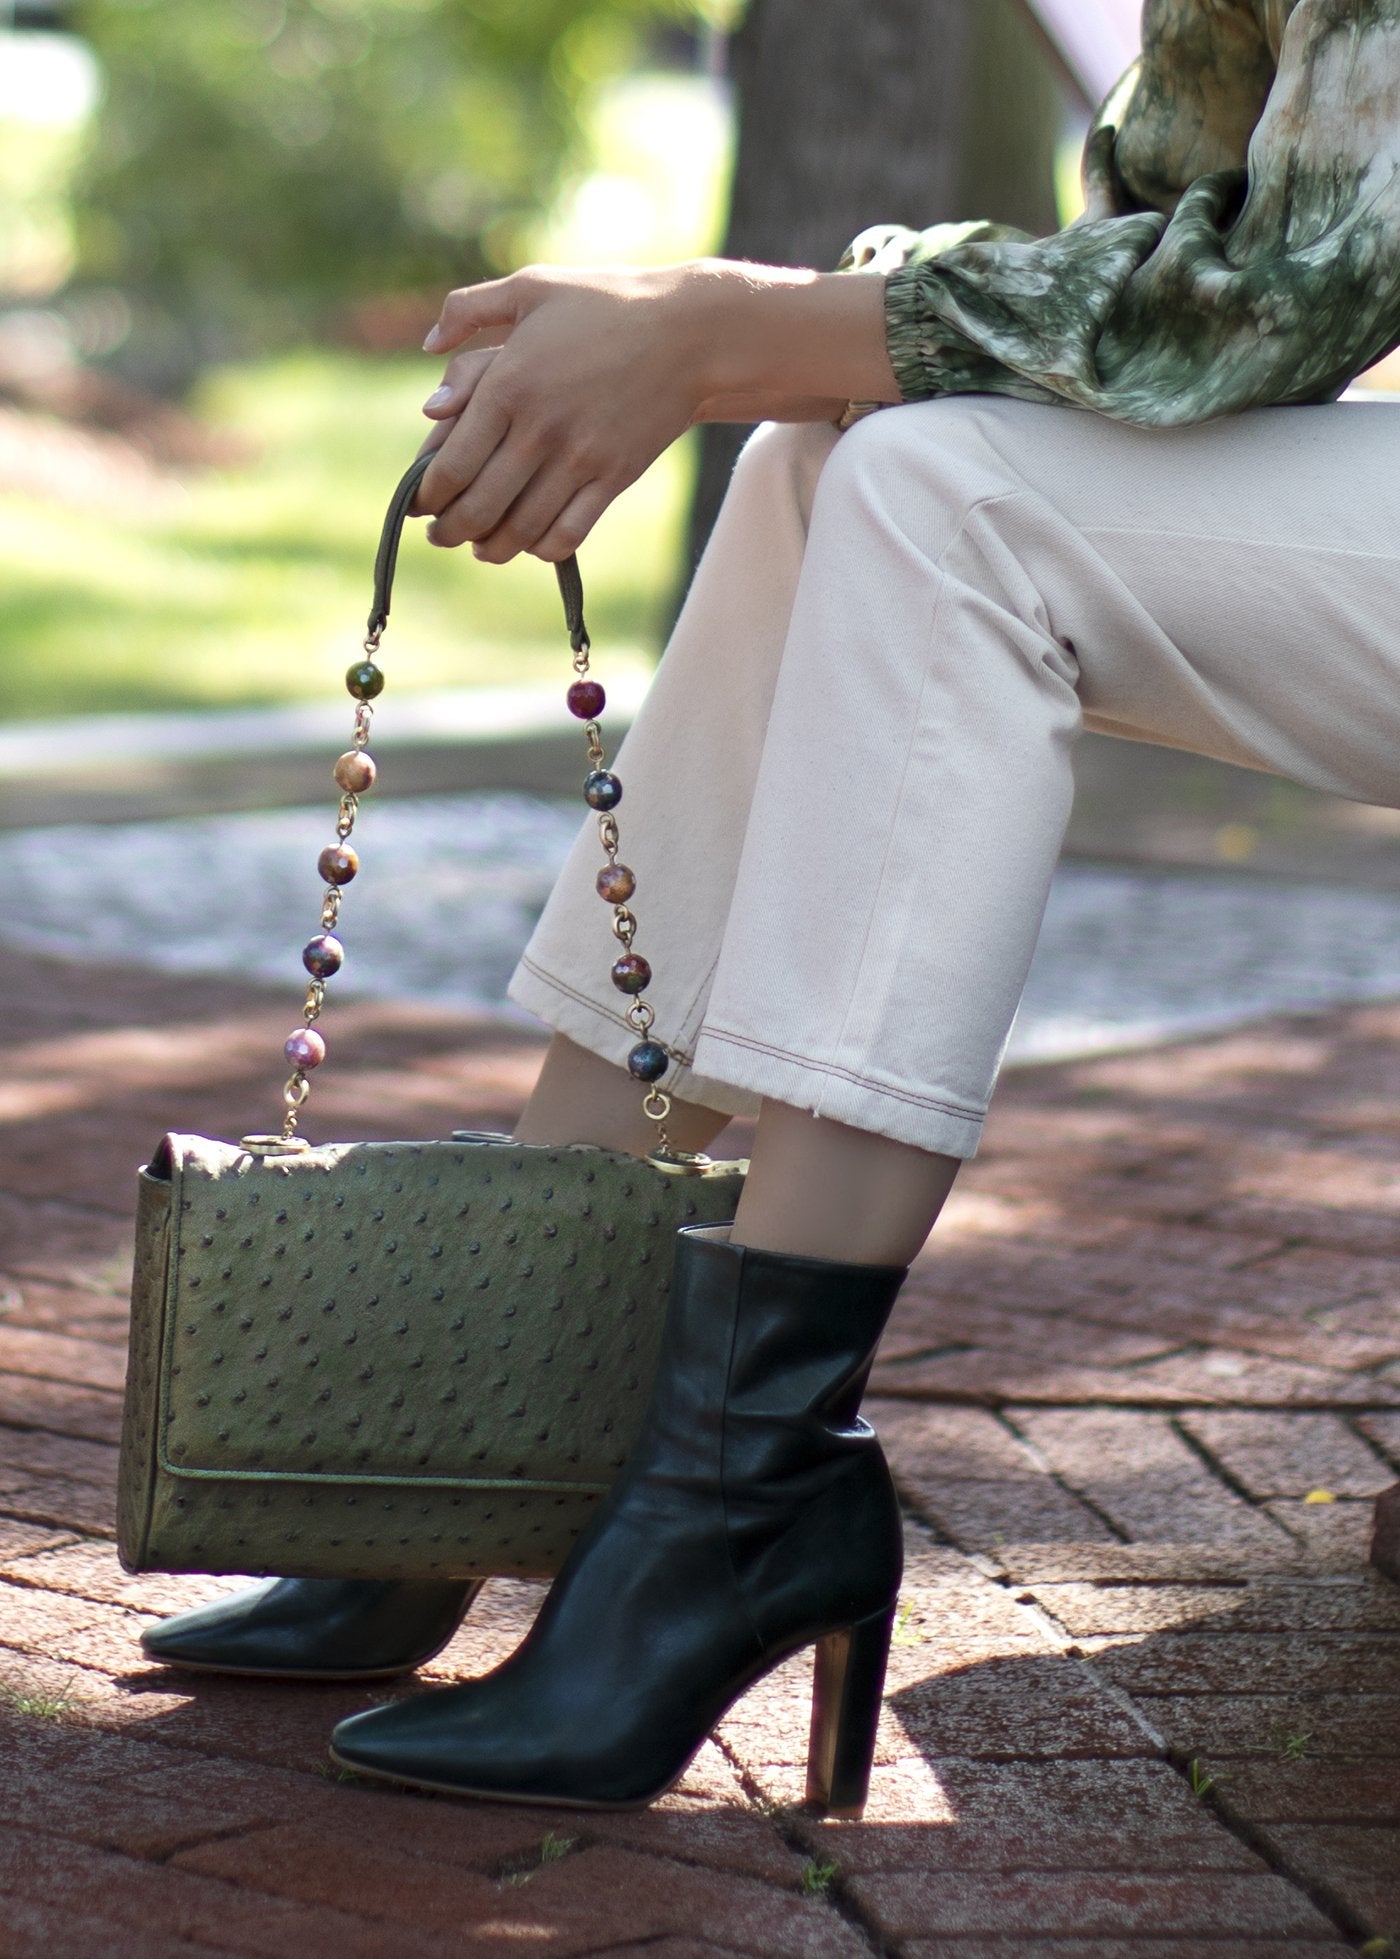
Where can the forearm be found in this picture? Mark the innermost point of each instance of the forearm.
(773, 340)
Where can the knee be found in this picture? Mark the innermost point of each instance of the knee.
(783, 461)
(943, 425)
(922, 467)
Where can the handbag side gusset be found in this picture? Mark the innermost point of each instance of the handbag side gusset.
(138, 1458)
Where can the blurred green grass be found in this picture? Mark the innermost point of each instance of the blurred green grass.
(254, 586)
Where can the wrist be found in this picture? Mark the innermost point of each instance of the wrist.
(762, 329)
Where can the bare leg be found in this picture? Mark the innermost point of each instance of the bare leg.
(817, 1188)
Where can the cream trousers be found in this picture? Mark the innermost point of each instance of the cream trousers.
(847, 788)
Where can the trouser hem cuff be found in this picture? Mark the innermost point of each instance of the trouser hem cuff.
(604, 1032)
(884, 1110)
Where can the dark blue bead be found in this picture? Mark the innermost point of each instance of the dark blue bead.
(601, 790)
(648, 1061)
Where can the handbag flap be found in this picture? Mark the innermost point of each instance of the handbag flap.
(471, 1312)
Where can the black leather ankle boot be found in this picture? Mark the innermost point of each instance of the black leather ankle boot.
(316, 1629)
(756, 1516)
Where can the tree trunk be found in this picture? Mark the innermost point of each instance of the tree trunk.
(857, 112)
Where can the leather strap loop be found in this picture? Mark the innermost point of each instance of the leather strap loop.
(387, 557)
(571, 591)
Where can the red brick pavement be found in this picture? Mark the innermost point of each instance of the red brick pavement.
(1145, 1697)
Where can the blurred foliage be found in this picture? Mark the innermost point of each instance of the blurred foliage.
(36, 167)
(253, 584)
(258, 169)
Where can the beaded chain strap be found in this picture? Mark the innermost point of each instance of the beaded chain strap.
(355, 773)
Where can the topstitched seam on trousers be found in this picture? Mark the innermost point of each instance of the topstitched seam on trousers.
(876, 912)
(690, 1022)
(1159, 532)
(959, 1109)
(587, 1000)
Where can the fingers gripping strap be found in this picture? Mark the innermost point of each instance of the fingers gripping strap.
(570, 582)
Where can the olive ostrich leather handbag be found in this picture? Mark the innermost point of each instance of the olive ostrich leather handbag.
(400, 1360)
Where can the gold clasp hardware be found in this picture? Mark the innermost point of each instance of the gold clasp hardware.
(680, 1163)
(274, 1145)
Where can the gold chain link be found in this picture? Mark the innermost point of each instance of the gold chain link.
(298, 1087)
(640, 1016)
(656, 1105)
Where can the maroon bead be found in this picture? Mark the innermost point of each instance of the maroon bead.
(587, 700)
(323, 956)
(616, 883)
(305, 1048)
(631, 973)
(338, 863)
(355, 772)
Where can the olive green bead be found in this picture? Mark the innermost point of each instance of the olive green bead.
(365, 681)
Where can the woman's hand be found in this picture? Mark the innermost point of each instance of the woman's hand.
(567, 384)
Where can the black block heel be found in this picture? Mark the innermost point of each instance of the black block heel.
(848, 1681)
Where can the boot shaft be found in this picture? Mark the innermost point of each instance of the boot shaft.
(755, 1416)
(779, 1343)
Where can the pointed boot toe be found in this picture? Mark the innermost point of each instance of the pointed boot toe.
(492, 1740)
(315, 1629)
(425, 1742)
(755, 1517)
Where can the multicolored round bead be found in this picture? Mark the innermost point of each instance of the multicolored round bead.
(602, 790)
(586, 700)
(305, 1048)
(648, 1061)
(365, 681)
(323, 956)
(616, 883)
(355, 772)
(338, 863)
(631, 973)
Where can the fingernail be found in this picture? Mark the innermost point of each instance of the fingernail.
(433, 341)
(439, 398)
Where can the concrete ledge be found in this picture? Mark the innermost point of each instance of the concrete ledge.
(133, 768)
(1134, 803)
(149, 789)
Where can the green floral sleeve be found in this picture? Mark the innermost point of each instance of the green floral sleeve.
(1241, 243)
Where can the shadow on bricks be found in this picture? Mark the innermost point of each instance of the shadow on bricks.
(1139, 1395)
